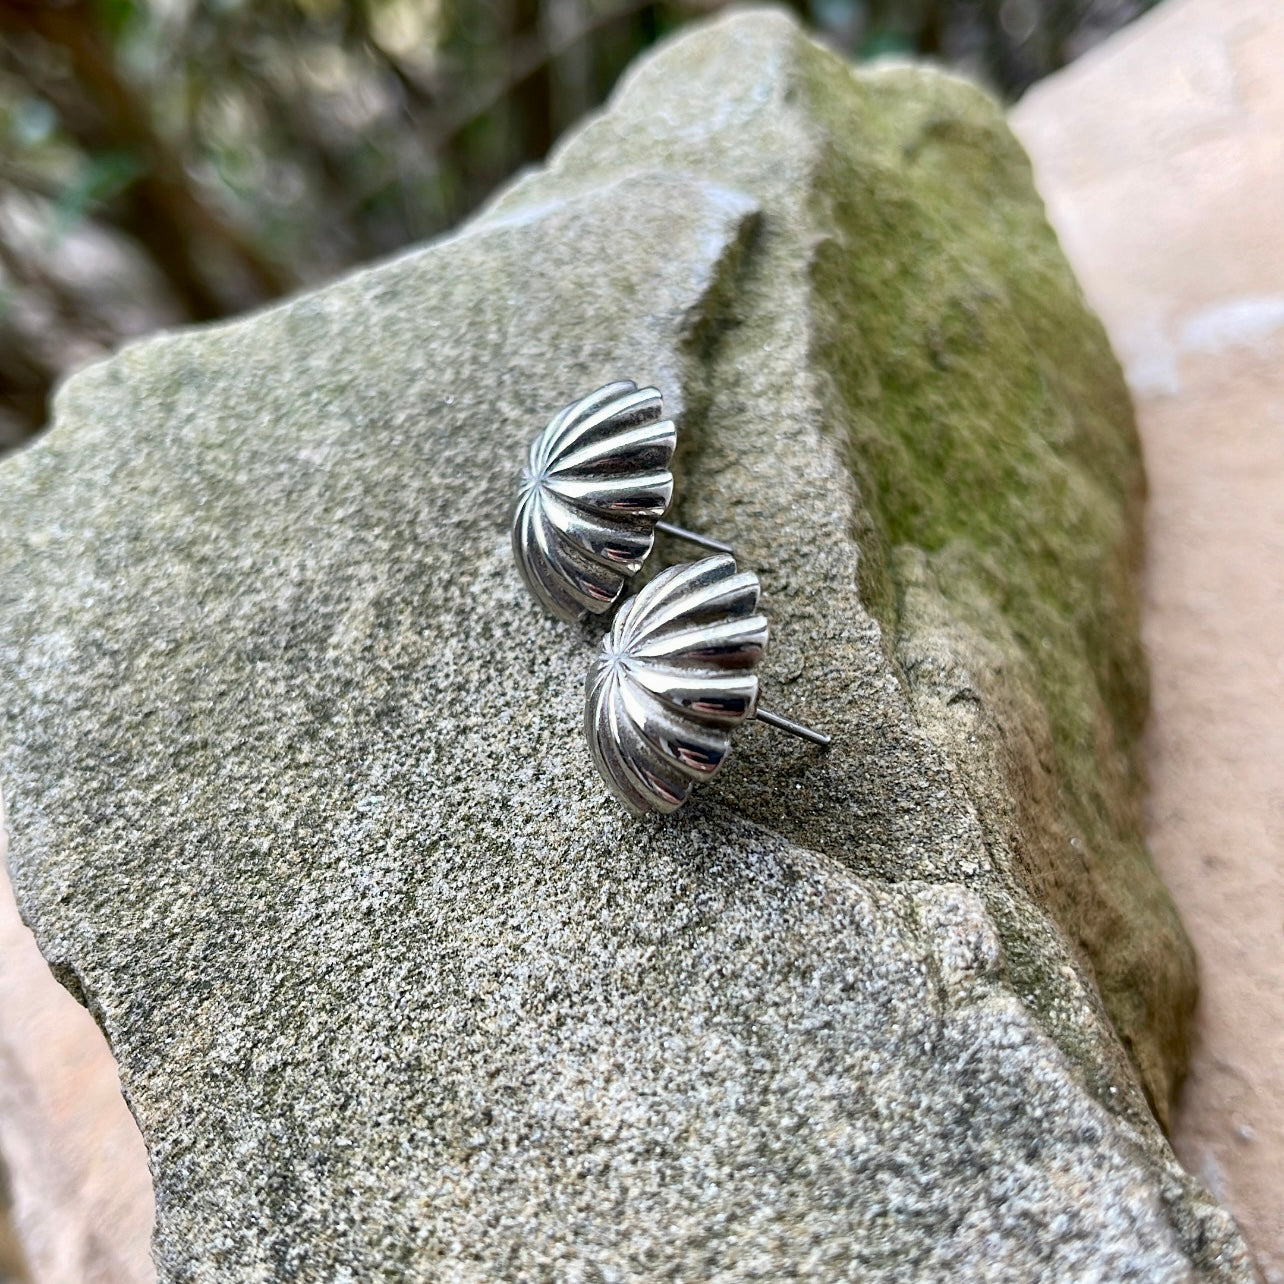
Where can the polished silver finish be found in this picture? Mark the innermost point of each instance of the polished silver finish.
(673, 679)
(597, 483)
(591, 499)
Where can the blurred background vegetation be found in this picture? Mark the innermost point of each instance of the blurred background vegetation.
(167, 161)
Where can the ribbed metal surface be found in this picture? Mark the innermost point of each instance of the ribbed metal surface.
(597, 482)
(673, 679)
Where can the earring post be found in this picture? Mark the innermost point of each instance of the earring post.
(681, 532)
(793, 728)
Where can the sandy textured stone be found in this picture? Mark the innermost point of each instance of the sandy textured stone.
(300, 808)
(1162, 159)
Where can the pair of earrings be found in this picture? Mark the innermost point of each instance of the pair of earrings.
(674, 675)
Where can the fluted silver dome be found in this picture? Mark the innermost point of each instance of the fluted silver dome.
(673, 680)
(597, 482)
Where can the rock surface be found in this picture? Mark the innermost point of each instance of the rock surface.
(74, 1162)
(1183, 118)
(301, 812)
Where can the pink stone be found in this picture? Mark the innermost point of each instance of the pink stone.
(1161, 158)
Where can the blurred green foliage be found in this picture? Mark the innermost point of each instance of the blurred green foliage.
(172, 160)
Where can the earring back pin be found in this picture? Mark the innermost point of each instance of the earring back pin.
(681, 532)
(782, 723)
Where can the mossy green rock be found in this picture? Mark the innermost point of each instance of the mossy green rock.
(300, 806)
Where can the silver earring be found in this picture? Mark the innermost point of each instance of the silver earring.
(591, 499)
(673, 679)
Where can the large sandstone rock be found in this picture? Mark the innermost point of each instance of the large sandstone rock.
(301, 811)
(1183, 118)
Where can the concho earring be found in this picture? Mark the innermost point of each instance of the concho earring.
(591, 499)
(673, 679)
